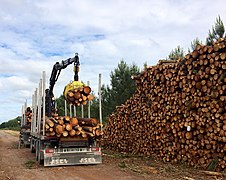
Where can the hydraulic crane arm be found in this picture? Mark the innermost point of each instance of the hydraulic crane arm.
(59, 66)
(54, 77)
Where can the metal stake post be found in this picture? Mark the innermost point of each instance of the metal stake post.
(35, 110)
(44, 102)
(74, 111)
(65, 107)
(70, 111)
(100, 106)
(22, 117)
(25, 108)
(39, 106)
(88, 84)
(82, 111)
(32, 122)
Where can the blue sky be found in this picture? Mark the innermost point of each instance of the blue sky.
(37, 33)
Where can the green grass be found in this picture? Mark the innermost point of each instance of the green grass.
(122, 164)
(11, 128)
(29, 164)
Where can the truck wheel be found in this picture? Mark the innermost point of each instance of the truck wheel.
(39, 153)
(36, 150)
(32, 149)
(27, 146)
(40, 161)
(36, 153)
(32, 146)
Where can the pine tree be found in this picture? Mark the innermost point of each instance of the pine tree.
(176, 53)
(122, 87)
(217, 32)
(194, 43)
(145, 65)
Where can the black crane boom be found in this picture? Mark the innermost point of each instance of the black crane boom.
(50, 103)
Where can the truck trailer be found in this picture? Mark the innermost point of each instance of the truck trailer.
(57, 150)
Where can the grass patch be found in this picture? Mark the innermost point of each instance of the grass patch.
(11, 128)
(29, 164)
(122, 164)
(12, 132)
(14, 146)
(118, 155)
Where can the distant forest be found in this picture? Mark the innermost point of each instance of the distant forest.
(11, 124)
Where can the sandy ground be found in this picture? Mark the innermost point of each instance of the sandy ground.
(20, 164)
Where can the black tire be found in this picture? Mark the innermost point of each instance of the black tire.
(36, 151)
(36, 155)
(32, 149)
(32, 146)
(27, 146)
(40, 155)
(41, 161)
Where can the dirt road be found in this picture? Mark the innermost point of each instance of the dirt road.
(20, 164)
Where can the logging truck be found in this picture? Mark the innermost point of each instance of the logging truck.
(63, 140)
(25, 127)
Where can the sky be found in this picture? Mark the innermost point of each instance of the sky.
(35, 34)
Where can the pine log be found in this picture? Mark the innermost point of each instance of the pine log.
(65, 133)
(87, 121)
(59, 129)
(49, 122)
(74, 121)
(87, 90)
(68, 127)
(67, 118)
(87, 128)
(72, 132)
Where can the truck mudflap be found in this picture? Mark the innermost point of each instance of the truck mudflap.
(72, 158)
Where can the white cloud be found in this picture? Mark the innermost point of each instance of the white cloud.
(35, 34)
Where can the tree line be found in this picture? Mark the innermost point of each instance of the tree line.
(11, 124)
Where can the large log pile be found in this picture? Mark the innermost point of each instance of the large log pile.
(178, 111)
(64, 126)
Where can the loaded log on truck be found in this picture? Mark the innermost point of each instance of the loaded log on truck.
(25, 126)
(63, 140)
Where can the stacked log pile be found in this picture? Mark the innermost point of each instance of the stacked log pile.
(64, 126)
(80, 95)
(28, 116)
(178, 111)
